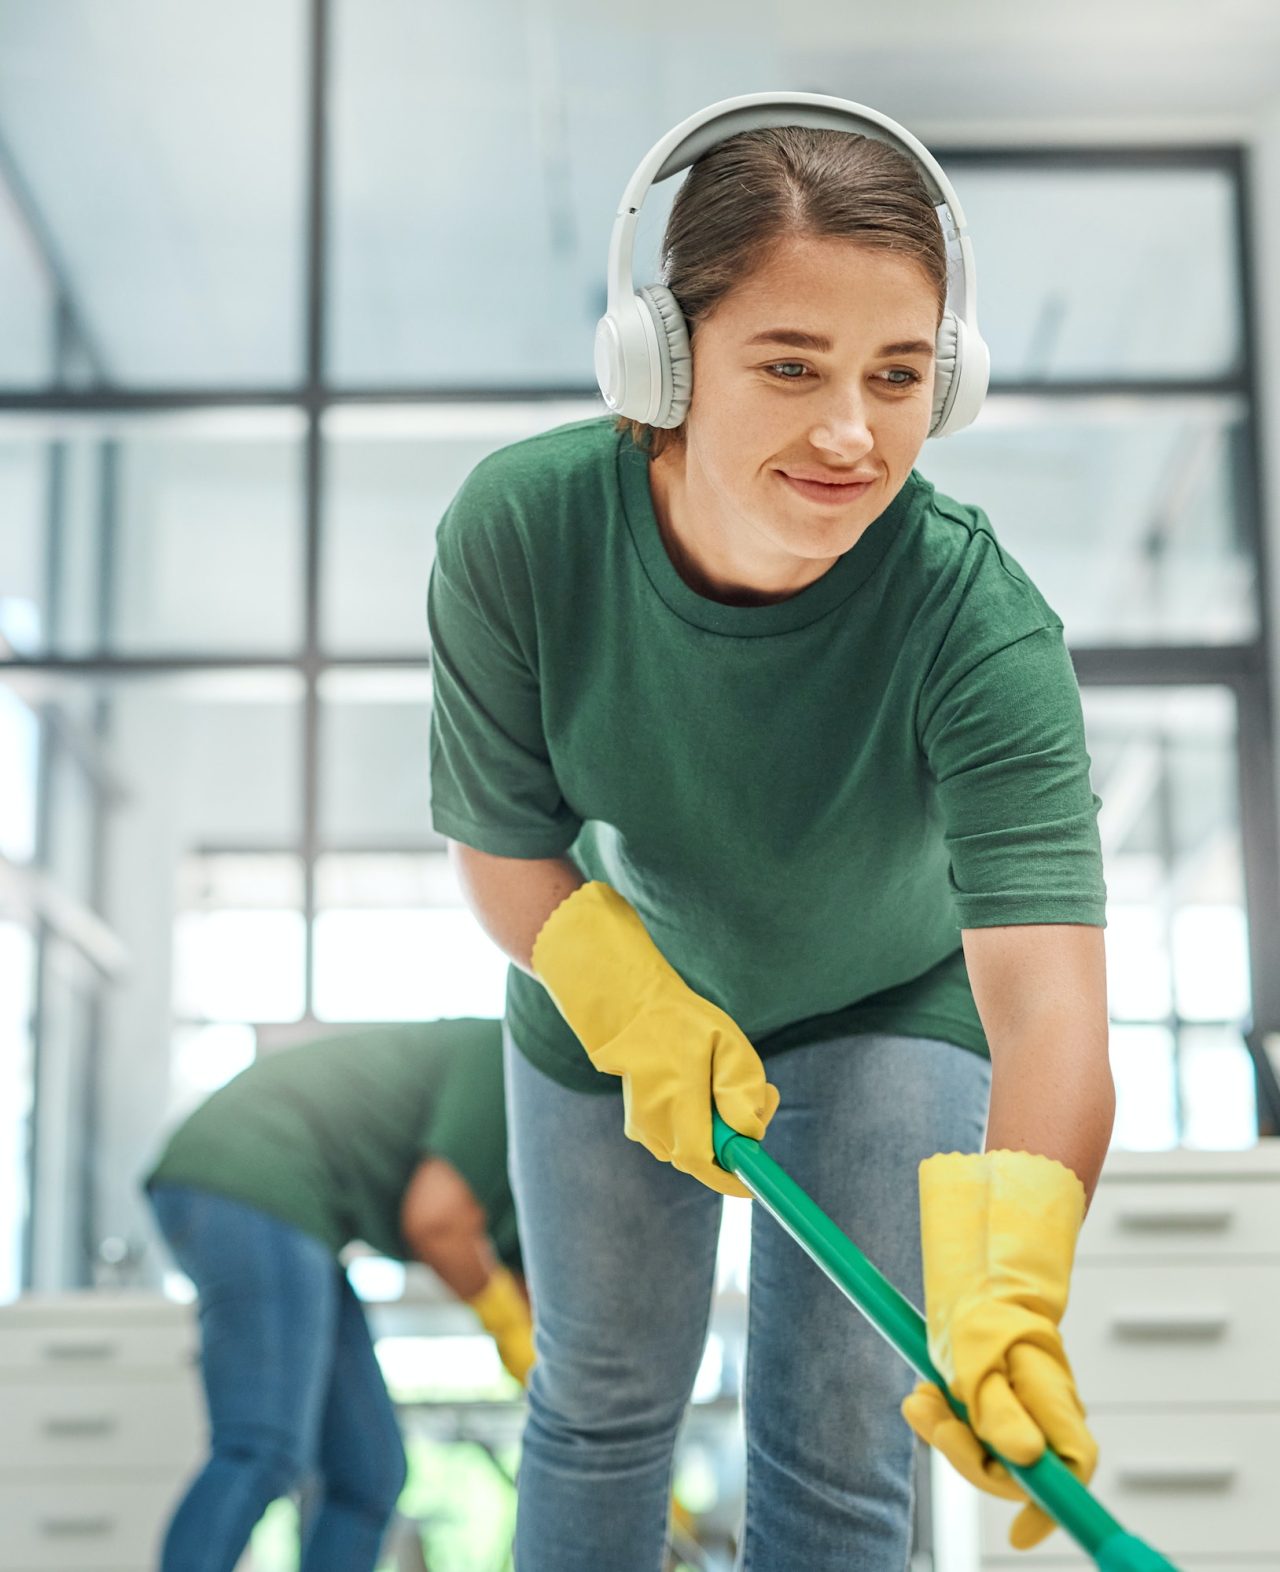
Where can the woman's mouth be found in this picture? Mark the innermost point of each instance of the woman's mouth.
(818, 491)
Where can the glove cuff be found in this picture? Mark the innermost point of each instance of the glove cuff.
(1011, 1180)
(500, 1305)
(595, 958)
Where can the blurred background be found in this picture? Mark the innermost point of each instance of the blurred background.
(275, 274)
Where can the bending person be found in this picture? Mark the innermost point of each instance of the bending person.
(764, 763)
(393, 1135)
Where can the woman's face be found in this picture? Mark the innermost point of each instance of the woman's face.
(853, 408)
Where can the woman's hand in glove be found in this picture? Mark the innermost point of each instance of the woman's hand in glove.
(675, 1051)
(998, 1233)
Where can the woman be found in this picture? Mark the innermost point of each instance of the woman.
(764, 764)
(394, 1135)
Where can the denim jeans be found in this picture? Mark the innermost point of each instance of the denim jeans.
(293, 1388)
(620, 1251)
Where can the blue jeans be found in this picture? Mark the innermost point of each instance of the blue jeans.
(293, 1389)
(620, 1251)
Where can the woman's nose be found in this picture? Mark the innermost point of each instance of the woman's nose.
(845, 423)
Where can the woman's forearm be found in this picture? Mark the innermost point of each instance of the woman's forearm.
(461, 1257)
(1041, 993)
(513, 896)
(1050, 1095)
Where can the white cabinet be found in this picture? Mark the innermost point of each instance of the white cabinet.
(1172, 1333)
(103, 1423)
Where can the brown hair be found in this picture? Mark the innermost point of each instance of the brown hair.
(748, 196)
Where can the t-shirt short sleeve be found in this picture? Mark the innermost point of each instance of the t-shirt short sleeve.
(467, 1127)
(492, 783)
(1005, 744)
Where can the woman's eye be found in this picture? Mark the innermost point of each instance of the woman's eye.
(895, 376)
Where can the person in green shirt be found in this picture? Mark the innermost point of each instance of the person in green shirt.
(393, 1135)
(764, 763)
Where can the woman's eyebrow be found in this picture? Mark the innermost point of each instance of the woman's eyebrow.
(793, 338)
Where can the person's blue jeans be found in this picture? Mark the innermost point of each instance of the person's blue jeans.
(620, 1251)
(293, 1387)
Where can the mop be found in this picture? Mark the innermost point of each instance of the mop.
(1047, 1481)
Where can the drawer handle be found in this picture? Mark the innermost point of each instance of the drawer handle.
(1177, 1476)
(89, 1425)
(76, 1527)
(79, 1350)
(1186, 1219)
(1171, 1326)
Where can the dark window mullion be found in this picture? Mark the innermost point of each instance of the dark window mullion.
(317, 174)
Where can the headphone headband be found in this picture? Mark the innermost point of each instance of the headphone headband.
(687, 142)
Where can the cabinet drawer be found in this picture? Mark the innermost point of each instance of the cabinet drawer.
(1192, 1484)
(86, 1528)
(82, 1352)
(1136, 1220)
(155, 1424)
(1174, 1334)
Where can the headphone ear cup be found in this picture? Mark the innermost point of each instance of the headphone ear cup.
(675, 357)
(946, 357)
(962, 369)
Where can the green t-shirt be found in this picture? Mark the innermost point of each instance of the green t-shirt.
(326, 1134)
(805, 801)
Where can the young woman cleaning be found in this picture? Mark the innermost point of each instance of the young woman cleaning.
(764, 763)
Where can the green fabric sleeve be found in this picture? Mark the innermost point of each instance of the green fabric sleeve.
(492, 784)
(467, 1127)
(1005, 744)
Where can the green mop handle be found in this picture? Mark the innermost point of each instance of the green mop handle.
(1048, 1481)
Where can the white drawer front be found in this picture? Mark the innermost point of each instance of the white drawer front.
(1200, 1218)
(145, 1423)
(82, 1353)
(1175, 1334)
(93, 1526)
(1192, 1484)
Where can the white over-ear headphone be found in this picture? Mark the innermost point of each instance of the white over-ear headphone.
(643, 361)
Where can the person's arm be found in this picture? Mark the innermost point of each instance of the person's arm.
(445, 1227)
(512, 897)
(999, 1231)
(1041, 992)
(1003, 733)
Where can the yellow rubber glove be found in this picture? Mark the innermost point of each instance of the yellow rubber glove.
(682, 1520)
(504, 1314)
(999, 1232)
(636, 1017)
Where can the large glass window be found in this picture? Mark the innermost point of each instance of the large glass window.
(208, 546)
(161, 162)
(214, 673)
(1127, 514)
(374, 729)
(1164, 764)
(414, 169)
(17, 1092)
(26, 302)
(1104, 272)
(389, 475)
(152, 535)
(396, 942)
